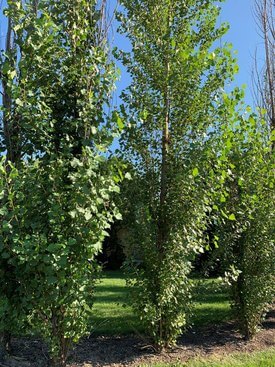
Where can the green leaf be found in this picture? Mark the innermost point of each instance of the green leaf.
(232, 217)
(73, 213)
(12, 74)
(88, 215)
(120, 123)
(173, 43)
(224, 214)
(3, 211)
(128, 176)
(19, 102)
(6, 226)
(54, 247)
(116, 189)
(97, 246)
(195, 172)
(117, 119)
(118, 216)
(17, 27)
(229, 144)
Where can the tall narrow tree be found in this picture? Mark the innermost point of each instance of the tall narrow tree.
(246, 223)
(59, 199)
(248, 243)
(170, 110)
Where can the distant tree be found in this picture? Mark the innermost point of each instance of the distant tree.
(264, 78)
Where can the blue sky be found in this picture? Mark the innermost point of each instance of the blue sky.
(245, 37)
(242, 34)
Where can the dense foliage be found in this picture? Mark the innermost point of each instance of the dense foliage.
(57, 193)
(202, 167)
(171, 114)
(247, 238)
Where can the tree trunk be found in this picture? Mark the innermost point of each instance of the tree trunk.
(163, 225)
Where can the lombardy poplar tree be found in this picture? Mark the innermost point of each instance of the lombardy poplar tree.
(178, 73)
(57, 196)
(246, 220)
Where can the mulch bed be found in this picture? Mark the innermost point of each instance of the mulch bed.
(133, 350)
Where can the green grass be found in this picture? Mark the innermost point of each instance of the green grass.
(257, 359)
(211, 302)
(112, 314)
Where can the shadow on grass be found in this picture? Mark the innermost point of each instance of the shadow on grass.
(211, 298)
(116, 326)
(113, 316)
(113, 274)
(204, 316)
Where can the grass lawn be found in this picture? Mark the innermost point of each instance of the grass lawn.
(112, 314)
(257, 359)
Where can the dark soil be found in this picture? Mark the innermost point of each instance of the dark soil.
(134, 350)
